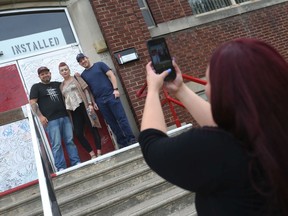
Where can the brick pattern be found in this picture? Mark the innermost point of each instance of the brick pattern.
(123, 26)
(166, 10)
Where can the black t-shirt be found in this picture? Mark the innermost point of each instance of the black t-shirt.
(208, 161)
(50, 100)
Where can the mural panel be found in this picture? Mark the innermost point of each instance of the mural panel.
(17, 161)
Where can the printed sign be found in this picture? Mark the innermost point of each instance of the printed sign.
(13, 48)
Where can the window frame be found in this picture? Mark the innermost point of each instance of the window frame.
(233, 3)
(146, 8)
(39, 10)
(193, 21)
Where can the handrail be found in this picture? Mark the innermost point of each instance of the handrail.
(48, 198)
(194, 79)
(168, 99)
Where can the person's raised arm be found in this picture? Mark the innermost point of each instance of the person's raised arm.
(153, 116)
(196, 106)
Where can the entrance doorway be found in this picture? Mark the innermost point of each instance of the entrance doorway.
(26, 68)
(44, 37)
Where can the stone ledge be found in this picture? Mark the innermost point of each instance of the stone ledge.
(196, 20)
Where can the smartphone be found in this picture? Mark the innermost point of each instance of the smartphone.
(160, 57)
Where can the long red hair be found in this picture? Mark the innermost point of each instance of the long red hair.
(249, 98)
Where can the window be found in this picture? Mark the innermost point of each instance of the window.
(146, 13)
(203, 6)
(26, 32)
(28, 23)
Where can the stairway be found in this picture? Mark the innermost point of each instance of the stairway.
(118, 183)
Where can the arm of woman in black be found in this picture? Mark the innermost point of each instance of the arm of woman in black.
(186, 159)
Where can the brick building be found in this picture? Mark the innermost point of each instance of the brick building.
(191, 38)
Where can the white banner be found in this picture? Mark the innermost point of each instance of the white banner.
(16, 47)
(28, 66)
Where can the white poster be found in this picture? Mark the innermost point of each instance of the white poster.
(28, 67)
(16, 47)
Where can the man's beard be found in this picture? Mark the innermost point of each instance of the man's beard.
(46, 81)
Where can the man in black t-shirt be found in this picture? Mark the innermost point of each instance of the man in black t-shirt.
(46, 101)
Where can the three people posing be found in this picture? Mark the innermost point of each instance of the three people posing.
(51, 101)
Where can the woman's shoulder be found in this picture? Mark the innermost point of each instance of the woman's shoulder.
(204, 138)
(206, 133)
(213, 133)
(214, 129)
(214, 139)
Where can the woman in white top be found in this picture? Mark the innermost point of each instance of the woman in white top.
(81, 107)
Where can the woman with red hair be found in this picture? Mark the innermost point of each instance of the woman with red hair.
(237, 161)
(81, 107)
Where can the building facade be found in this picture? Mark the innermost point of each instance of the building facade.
(191, 37)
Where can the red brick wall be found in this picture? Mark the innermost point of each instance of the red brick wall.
(123, 27)
(165, 10)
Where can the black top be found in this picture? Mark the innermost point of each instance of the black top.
(50, 100)
(208, 161)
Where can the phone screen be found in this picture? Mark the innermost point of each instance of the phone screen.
(160, 57)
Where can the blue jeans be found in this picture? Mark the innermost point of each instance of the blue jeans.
(114, 114)
(57, 130)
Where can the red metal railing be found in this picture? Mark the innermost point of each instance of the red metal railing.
(169, 100)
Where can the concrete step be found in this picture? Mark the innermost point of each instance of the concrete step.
(100, 165)
(118, 183)
(25, 199)
(125, 199)
(181, 205)
(99, 178)
(174, 200)
(188, 211)
(17, 196)
(28, 200)
(107, 191)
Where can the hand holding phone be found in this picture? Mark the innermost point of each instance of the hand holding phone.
(160, 57)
